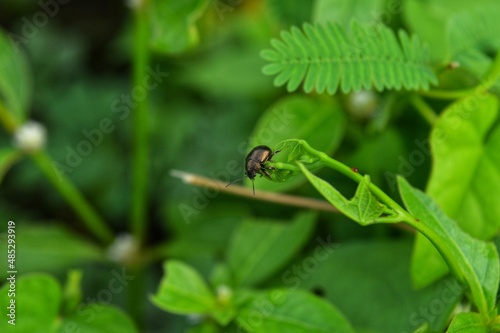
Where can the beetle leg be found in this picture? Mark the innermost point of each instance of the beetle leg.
(264, 171)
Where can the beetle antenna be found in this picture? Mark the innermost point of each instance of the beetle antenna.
(234, 181)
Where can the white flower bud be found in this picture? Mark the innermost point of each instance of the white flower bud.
(362, 104)
(30, 137)
(124, 248)
(134, 4)
(224, 294)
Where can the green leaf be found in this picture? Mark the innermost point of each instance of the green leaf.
(439, 22)
(292, 312)
(15, 78)
(182, 290)
(201, 234)
(467, 322)
(72, 296)
(39, 248)
(325, 58)
(475, 263)
(98, 318)
(374, 274)
(258, 248)
(8, 157)
(173, 28)
(472, 35)
(37, 301)
(363, 208)
(343, 11)
(320, 122)
(473, 29)
(465, 176)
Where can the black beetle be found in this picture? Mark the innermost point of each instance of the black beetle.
(254, 164)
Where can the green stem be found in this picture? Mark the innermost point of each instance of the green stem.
(424, 109)
(403, 215)
(140, 124)
(7, 119)
(82, 208)
(487, 82)
(448, 94)
(89, 217)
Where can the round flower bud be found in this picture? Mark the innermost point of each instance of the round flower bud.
(123, 249)
(30, 137)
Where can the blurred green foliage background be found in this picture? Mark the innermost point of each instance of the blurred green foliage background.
(203, 113)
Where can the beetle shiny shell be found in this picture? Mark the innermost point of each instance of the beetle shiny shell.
(255, 159)
(254, 163)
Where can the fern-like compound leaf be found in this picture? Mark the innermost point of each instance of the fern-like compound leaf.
(325, 58)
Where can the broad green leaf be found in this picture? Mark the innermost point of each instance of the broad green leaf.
(8, 156)
(201, 232)
(363, 277)
(474, 262)
(343, 11)
(436, 21)
(467, 322)
(258, 248)
(475, 28)
(292, 312)
(427, 265)
(173, 28)
(98, 318)
(39, 248)
(318, 121)
(182, 290)
(37, 302)
(363, 208)
(15, 77)
(465, 176)
(472, 34)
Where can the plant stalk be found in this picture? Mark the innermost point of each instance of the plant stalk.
(487, 82)
(403, 215)
(7, 120)
(140, 164)
(81, 206)
(424, 109)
